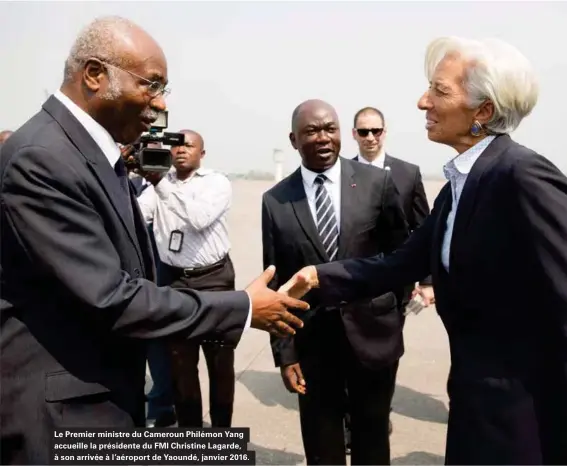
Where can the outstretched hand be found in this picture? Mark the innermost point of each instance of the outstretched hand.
(270, 308)
(301, 283)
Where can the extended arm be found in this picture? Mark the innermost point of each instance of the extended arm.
(348, 280)
(353, 279)
(49, 213)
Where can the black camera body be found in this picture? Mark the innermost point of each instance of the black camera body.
(155, 159)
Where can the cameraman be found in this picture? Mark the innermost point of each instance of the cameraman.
(188, 207)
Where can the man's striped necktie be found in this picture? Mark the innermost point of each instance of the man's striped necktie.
(326, 219)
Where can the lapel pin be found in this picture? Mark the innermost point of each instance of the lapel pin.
(386, 168)
(353, 185)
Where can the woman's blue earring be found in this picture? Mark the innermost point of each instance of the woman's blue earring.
(476, 129)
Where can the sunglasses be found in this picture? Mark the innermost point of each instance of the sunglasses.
(363, 132)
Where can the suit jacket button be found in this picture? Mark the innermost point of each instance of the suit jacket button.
(137, 272)
(343, 303)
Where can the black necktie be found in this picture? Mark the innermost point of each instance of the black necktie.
(122, 174)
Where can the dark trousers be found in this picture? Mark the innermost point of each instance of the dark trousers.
(329, 367)
(185, 357)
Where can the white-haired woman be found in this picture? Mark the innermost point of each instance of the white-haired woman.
(496, 246)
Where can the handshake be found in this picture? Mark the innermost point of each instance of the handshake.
(270, 308)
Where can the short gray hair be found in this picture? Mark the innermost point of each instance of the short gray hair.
(98, 40)
(498, 72)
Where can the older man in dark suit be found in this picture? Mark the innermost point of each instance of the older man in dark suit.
(77, 291)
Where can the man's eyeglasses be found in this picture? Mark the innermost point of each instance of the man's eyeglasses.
(155, 88)
(363, 132)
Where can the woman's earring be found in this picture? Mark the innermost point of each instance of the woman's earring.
(476, 129)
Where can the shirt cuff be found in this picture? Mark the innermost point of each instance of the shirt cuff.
(163, 188)
(249, 318)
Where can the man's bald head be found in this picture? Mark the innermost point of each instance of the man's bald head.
(4, 135)
(311, 106)
(315, 134)
(112, 39)
(187, 158)
(194, 135)
(117, 73)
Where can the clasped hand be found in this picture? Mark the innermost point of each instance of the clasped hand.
(306, 279)
(270, 308)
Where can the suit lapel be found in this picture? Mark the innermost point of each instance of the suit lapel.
(446, 200)
(97, 161)
(349, 203)
(303, 213)
(468, 196)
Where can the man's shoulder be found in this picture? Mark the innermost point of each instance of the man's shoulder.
(284, 189)
(363, 169)
(213, 175)
(39, 142)
(402, 163)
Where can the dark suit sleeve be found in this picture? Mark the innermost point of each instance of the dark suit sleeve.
(542, 198)
(268, 248)
(393, 222)
(420, 208)
(352, 279)
(51, 212)
(283, 349)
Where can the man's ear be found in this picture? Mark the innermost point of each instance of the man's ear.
(292, 140)
(93, 74)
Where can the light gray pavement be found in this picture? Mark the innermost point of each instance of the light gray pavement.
(263, 404)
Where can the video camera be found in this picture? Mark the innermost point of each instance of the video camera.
(153, 159)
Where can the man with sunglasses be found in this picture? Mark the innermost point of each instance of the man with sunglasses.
(78, 300)
(369, 132)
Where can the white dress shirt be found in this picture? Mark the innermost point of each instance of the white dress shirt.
(198, 207)
(108, 147)
(456, 171)
(332, 184)
(377, 162)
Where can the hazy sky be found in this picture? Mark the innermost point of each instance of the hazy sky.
(238, 69)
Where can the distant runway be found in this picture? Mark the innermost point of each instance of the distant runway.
(263, 404)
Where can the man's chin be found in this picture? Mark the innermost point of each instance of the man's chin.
(324, 163)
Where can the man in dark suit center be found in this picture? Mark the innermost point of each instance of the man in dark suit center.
(332, 208)
(78, 296)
